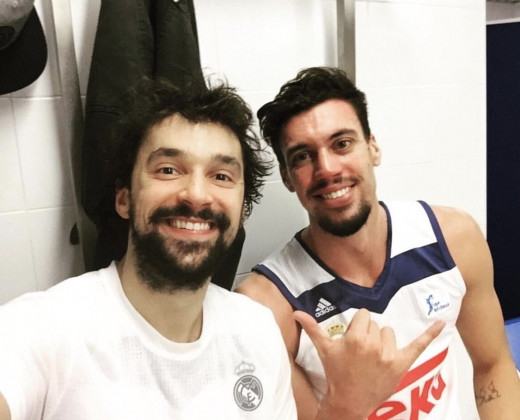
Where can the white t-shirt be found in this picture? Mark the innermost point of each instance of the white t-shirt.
(81, 351)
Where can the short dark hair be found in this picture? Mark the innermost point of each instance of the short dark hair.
(152, 101)
(309, 88)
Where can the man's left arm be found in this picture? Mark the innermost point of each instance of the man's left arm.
(480, 322)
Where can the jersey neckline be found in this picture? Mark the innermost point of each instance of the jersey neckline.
(381, 279)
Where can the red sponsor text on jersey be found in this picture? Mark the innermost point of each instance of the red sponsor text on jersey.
(423, 397)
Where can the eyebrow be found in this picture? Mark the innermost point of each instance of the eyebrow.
(163, 151)
(173, 152)
(228, 160)
(293, 149)
(339, 133)
(342, 132)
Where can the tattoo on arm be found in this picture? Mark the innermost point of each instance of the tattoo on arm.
(487, 394)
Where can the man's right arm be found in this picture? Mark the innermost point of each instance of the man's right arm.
(364, 356)
(5, 413)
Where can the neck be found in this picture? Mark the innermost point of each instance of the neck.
(175, 315)
(358, 258)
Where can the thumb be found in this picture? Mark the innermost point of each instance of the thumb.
(412, 351)
(310, 326)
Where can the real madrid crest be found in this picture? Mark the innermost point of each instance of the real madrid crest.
(248, 388)
(336, 330)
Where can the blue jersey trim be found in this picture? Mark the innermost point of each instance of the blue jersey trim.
(352, 286)
(438, 232)
(262, 269)
(404, 269)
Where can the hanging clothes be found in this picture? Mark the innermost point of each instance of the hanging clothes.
(154, 38)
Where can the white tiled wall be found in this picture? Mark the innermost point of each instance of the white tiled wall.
(11, 192)
(37, 203)
(421, 62)
(422, 65)
(43, 158)
(17, 272)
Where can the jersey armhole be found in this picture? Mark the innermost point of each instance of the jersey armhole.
(262, 269)
(438, 233)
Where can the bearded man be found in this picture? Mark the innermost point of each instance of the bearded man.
(150, 336)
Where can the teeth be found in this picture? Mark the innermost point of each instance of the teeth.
(181, 224)
(336, 194)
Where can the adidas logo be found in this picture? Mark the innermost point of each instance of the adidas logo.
(323, 307)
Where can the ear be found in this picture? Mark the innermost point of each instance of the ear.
(123, 202)
(285, 178)
(374, 150)
(243, 215)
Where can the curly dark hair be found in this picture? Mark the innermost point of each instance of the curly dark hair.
(309, 88)
(152, 101)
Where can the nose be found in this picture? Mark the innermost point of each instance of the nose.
(196, 191)
(327, 165)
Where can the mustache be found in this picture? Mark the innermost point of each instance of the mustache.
(322, 183)
(220, 220)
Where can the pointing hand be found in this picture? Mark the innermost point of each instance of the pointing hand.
(364, 367)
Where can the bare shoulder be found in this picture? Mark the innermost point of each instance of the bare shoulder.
(459, 229)
(258, 287)
(261, 289)
(455, 222)
(466, 243)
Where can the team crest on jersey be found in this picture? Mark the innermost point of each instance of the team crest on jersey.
(336, 330)
(436, 302)
(248, 390)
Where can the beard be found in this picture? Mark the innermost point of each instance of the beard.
(343, 228)
(171, 265)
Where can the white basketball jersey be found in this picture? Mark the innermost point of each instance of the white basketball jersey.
(418, 285)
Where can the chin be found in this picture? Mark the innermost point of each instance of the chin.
(347, 226)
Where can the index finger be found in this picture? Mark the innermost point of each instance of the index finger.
(412, 351)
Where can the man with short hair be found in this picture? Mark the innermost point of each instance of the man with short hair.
(150, 336)
(363, 269)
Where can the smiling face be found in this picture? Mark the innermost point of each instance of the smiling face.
(330, 166)
(185, 203)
